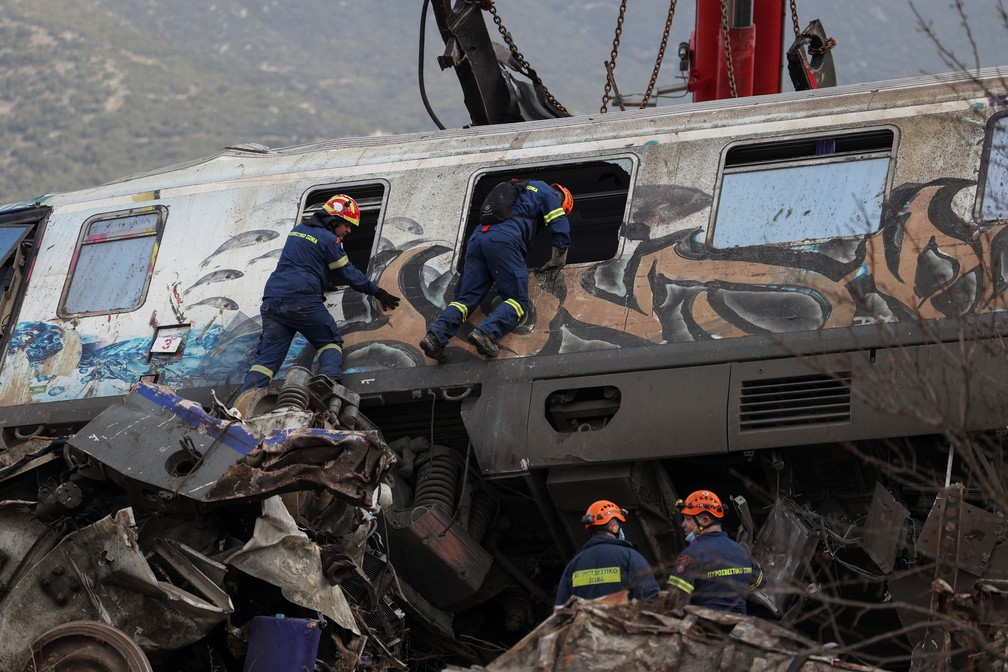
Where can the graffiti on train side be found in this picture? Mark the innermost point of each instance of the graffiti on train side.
(925, 262)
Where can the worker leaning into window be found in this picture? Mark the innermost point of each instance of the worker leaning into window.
(713, 570)
(495, 254)
(607, 563)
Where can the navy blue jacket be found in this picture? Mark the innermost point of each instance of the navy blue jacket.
(606, 565)
(716, 572)
(311, 258)
(537, 200)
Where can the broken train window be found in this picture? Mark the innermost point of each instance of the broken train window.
(803, 189)
(359, 245)
(112, 265)
(600, 190)
(16, 240)
(993, 183)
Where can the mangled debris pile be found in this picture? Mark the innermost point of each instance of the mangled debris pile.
(611, 634)
(160, 531)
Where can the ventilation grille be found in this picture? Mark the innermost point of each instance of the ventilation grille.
(795, 402)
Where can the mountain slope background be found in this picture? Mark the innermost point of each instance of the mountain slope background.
(94, 90)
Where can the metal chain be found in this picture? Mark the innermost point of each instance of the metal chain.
(661, 54)
(612, 57)
(727, 48)
(794, 18)
(524, 66)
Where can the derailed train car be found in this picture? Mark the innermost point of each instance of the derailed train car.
(795, 300)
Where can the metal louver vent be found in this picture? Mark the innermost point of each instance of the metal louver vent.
(794, 402)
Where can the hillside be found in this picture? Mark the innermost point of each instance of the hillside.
(95, 90)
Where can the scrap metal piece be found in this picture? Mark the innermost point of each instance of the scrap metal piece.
(883, 529)
(959, 535)
(437, 556)
(158, 438)
(100, 573)
(161, 439)
(610, 634)
(784, 548)
(282, 555)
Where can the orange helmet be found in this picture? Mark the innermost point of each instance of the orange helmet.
(601, 512)
(701, 501)
(344, 207)
(565, 196)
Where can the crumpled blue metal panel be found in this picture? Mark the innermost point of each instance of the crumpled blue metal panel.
(161, 439)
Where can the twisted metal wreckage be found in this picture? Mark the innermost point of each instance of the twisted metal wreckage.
(160, 530)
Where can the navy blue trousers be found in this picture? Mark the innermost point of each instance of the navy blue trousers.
(491, 257)
(282, 319)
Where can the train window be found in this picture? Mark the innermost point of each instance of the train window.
(360, 243)
(802, 189)
(112, 266)
(600, 190)
(994, 175)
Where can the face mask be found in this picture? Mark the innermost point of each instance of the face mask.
(621, 535)
(691, 537)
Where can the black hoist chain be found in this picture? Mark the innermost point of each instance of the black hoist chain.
(523, 65)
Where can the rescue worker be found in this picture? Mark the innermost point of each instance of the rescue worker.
(713, 570)
(607, 563)
(496, 253)
(294, 300)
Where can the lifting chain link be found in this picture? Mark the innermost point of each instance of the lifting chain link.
(727, 47)
(611, 63)
(612, 58)
(523, 65)
(661, 54)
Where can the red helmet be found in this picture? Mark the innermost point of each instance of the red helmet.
(344, 207)
(601, 512)
(567, 200)
(701, 501)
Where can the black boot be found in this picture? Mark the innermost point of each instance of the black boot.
(432, 348)
(484, 345)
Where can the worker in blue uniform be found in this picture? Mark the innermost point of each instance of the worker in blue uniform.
(607, 563)
(294, 300)
(713, 570)
(496, 253)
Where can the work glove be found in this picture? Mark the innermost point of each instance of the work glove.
(387, 301)
(558, 260)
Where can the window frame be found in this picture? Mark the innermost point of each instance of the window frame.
(86, 237)
(313, 198)
(988, 146)
(540, 253)
(782, 152)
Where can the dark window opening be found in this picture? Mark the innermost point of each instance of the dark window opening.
(360, 242)
(600, 190)
(17, 238)
(878, 140)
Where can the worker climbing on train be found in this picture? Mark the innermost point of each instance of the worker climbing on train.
(495, 253)
(713, 570)
(293, 298)
(607, 563)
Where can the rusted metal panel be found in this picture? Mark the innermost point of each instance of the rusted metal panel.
(436, 556)
(962, 537)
